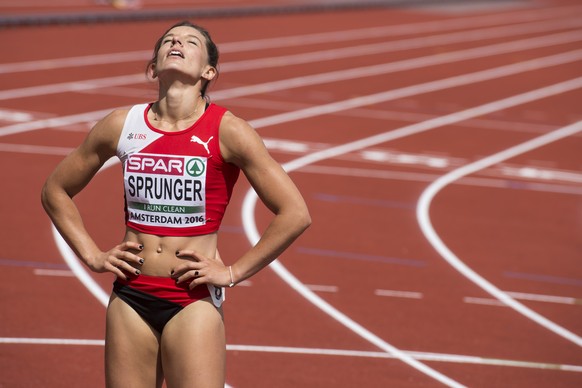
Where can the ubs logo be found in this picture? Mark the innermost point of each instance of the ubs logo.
(136, 136)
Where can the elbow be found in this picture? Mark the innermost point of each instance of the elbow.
(304, 220)
(48, 197)
(44, 197)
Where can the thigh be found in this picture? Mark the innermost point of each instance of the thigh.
(132, 350)
(194, 347)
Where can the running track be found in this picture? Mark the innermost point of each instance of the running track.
(439, 151)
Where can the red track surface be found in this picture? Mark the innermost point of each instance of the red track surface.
(516, 222)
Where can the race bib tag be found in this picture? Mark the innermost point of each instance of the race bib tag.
(165, 190)
(218, 295)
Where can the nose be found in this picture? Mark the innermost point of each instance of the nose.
(177, 40)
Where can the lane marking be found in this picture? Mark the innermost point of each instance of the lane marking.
(429, 232)
(542, 174)
(302, 40)
(367, 71)
(413, 90)
(425, 177)
(543, 278)
(80, 272)
(53, 272)
(361, 256)
(483, 301)
(322, 288)
(527, 296)
(509, 171)
(339, 106)
(545, 298)
(399, 294)
(400, 45)
(560, 175)
(423, 356)
(250, 200)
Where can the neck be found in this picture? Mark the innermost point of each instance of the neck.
(163, 113)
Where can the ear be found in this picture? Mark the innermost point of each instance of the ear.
(152, 73)
(209, 73)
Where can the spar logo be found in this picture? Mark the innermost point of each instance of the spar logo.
(156, 164)
(195, 167)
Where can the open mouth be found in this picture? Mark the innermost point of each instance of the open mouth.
(176, 53)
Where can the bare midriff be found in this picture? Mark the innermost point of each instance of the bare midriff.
(159, 252)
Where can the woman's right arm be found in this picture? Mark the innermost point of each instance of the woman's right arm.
(68, 179)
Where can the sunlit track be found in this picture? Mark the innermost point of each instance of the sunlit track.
(369, 71)
(310, 39)
(423, 356)
(492, 108)
(429, 231)
(494, 73)
(254, 236)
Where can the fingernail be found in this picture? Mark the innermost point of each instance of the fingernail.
(171, 273)
(141, 261)
(140, 246)
(137, 272)
(177, 253)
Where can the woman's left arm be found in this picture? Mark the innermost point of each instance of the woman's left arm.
(242, 146)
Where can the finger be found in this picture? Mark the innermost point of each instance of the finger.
(186, 272)
(194, 283)
(130, 245)
(129, 257)
(190, 254)
(117, 268)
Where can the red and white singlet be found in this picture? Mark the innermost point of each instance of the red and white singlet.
(176, 183)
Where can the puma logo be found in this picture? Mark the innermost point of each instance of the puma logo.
(196, 139)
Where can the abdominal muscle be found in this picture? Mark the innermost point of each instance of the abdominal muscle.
(159, 252)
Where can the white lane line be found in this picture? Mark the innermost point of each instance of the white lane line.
(322, 288)
(399, 294)
(428, 230)
(80, 272)
(302, 40)
(482, 301)
(422, 177)
(545, 298)
(401, 45)
(431, 86)
(368, 71)
(53, 272)
(526, 296)
(34, 149)
(427, 87)
(423, 356)
(248, 210)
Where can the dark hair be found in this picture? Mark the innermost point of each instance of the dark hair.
(211, 49)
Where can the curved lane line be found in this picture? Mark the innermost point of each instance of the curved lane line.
(422, 212)
(248, 210)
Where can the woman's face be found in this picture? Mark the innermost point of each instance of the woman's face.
(183, 49)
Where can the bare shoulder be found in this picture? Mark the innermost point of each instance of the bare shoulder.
(239, 140)
(104, 135)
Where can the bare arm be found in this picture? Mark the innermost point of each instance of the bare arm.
(241, 145)
(68, 179)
